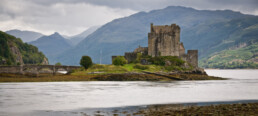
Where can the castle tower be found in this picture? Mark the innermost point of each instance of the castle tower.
(164, 40)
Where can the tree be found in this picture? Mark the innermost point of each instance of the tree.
(119, 60)
(86, 62)
(58, 64)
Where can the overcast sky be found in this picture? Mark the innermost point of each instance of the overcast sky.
(70, 17)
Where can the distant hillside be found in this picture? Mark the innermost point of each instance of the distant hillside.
(207, 31)
(26, 36)
(78, 38)
(230, 40)
(52, 45)
(246, 57)
(14, 52)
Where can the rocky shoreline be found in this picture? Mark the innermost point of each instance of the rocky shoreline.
(130, 76)
(230, 108)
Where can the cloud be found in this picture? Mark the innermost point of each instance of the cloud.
(244, 6)
(70, 17)
(66, 18)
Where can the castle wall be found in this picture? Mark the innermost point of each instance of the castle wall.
(192, 57)
(164, 40)
(181, 49)
(130, 56)
(143, 50)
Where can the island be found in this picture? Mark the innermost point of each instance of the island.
(163, 60)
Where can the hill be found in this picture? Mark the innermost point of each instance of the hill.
(26, 36)
(52, 45)
(14, 52)
(242, 57)
(78, 38)
(208, 31)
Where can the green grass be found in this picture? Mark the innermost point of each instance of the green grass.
(98, 69)
(151, 68)
(129, 67)
(101, 69)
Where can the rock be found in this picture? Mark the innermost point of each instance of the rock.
(145, 62)
(16, 52)
(3, 61)
(167, 63)
(199, 71)
(45, 61)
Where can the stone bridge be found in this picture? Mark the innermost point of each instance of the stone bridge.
(36, 69)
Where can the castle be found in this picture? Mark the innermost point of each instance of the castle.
(164, 41)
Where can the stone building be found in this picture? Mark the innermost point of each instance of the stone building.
(164, 40)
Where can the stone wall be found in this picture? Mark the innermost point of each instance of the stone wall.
(164, 40)
(192, 57)
(130, 56)
(143, 50)
(181, 49)
(35, 69)
(11, 69)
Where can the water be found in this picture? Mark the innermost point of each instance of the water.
(18, 98)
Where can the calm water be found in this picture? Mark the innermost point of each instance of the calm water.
(18, 98)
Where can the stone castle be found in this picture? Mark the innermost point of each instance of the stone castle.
(164, 41)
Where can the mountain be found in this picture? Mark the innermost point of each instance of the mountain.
(205, 30)
(77, 38)
(26, 36)
(52, 45)
(14, 52)
(243, 56)
(227, 37)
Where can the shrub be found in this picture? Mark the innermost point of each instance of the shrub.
(97, 66)
(86, 62)
(142, 67)
(119, 61)
(58, 64)
(175, 61)
(170, 68)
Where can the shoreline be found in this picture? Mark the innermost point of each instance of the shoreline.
(6, 77)
(198, 108)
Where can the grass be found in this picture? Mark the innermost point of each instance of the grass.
(101, 69)
(112, 69)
